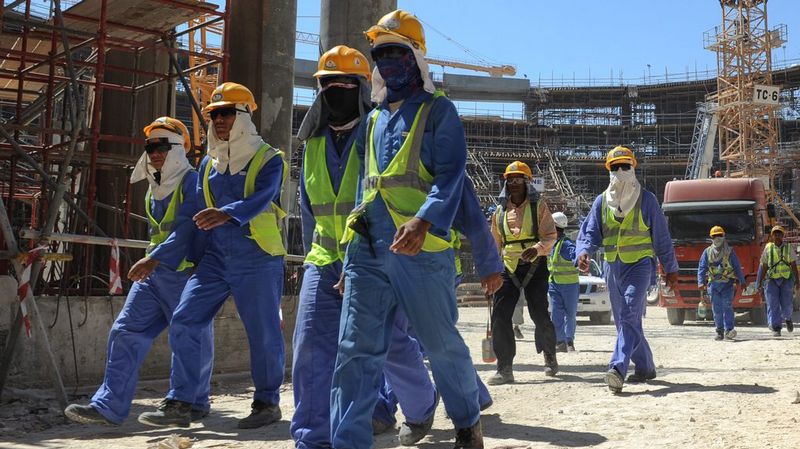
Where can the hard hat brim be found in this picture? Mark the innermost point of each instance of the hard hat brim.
(516, 172)
(717, 234)
(222, 104)
(374, 34)
(777, 229)
(623, 159)
(321, 73)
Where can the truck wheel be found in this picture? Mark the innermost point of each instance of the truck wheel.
(600, 317)
(690, 314)
(676, 316)
(758, 316)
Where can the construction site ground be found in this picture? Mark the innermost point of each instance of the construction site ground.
(708, 394)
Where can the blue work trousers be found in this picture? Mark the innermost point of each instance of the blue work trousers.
(779, 293)
(564, 310)
(627, 287)
(255, 279)
(147, 312)
(377, 283)
(315, 346)
(721, 294)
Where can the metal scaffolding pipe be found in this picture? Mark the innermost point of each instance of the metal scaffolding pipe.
(32, 234)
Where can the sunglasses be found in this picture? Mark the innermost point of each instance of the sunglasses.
(223, 112)
(159, 144)
(515, 181)
(623, 167)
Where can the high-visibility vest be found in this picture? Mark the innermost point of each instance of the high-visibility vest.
(330, 209)
(721, 271)
(264, 227)
(629, 240)
(514, 246)
(160, 230)
(457, 254)
(562, 271)
(778, 261)
(404, 184)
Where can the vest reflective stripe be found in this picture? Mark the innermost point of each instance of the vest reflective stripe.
(457, 253)
(778, 262)
(562, 271)
(265, 227)
(405, 183)
(514, 246)
(330, 209)
(160, 231)
(721, 271)
(629, 240)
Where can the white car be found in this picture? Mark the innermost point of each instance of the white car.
(593, 300)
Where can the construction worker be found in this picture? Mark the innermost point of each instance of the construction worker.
(329, 179)
(627, 221)
(524, 232)
(400, 253)
(778, 270)
(564, 286)
(239, 187)
(717, 273)
(159, 278)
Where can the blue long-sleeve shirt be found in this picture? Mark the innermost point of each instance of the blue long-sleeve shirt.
(703, 267)
(443, 153)
(591, 234)
(180, 242)
(471, 222)
(567, 251)
(336, 163)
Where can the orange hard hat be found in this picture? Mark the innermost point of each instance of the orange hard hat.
(622, 155)
(401, 24)
(230, 94)
(518, 168)
(173, 125)
(343, 60)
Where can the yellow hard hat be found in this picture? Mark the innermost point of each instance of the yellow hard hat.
(402, 24)
(343, 60)
(622, 155)
(173, 125)
(520, 168)
(230, 94)
(716, 230)
(777, 228)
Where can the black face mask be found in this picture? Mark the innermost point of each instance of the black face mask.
(342, 104)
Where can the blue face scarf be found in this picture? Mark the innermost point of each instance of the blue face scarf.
(401, 75)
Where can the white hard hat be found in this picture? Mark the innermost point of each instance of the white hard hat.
(561, 220)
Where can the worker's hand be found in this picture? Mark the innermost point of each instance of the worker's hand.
(410, 236)
(210, 218)
(340, 285)
(491, 283)
(672, 280)
(583, 263)
(529, 254)
(142, 269)
(703, 287)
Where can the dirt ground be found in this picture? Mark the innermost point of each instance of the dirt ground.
(708, 394)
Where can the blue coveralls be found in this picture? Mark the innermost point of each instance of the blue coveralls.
(779, 294)
(564, 298)
(378, 282)
(721, 291)
(233, 263)
(148, 310)
(628, 283)
(315, 340)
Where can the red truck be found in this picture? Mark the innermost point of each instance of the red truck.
(692, 207)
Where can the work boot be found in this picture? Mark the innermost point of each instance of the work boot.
(789, 326)
(614, 380)
(561, 347)
(379, 426)
(261, 414)
(197, 414)
(730, 335)
(86, 414)
(571, 346)
(720, 335)
(636, 378)
(503, 376)
(776, 332)
(518, 333)
(170, 413)
(550, 365)
(410, 433)
(470, 437)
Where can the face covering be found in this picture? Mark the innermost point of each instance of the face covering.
(623, 191)
(401, 75)
(342, 104)
(718, 241)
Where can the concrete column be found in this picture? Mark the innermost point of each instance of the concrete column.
(344, 21)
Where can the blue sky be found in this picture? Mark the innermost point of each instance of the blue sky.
(576, 38)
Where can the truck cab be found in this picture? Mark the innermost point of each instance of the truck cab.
(692, 207)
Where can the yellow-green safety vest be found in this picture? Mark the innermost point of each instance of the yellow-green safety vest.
(562, 271)
(778, 261)
(722, 271)
(265, 227)
(514, 246)
(330, 209)
(405, 183)
(457, 254)
(630, 240)
(159, 231)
